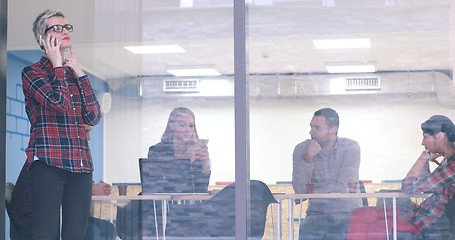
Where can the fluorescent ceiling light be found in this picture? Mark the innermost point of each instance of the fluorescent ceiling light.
(263, 2)
(351, 68)
(155, 49)
(193, 72)
(328, 3)
(186, 3)
(342, 43)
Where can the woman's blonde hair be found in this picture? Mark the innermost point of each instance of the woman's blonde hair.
(175, 115)
(40, 24)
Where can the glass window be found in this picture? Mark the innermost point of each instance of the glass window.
(164, 71)
(384, 66)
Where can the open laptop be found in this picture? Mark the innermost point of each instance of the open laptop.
(168, 176)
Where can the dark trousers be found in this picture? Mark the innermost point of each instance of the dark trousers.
(53, 187)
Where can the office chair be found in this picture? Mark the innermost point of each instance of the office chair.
(215, 218)
(362, 190)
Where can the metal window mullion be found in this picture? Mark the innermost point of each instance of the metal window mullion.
(3, 57)
(242, 164)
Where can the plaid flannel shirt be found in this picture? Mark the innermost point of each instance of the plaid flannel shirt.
(440, 183)
(57, 105)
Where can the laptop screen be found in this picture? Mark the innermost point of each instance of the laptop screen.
(167, 176)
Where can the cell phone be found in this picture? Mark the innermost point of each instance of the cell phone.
(202, 142)
(41, 38)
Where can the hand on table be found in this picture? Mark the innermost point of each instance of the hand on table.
(299, 200)
(101, 188)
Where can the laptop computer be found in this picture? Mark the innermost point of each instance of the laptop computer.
(169, 176)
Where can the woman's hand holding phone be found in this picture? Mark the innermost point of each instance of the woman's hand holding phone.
(202, 153)
(51, 47)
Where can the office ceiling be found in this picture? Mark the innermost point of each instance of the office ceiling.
(406, 35)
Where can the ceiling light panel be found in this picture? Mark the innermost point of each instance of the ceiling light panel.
(155, 49)
(342, 43)
(351, 68)
(186, 3)
(194, 72)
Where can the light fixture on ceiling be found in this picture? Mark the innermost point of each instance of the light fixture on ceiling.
(342, 43)
(192, 71)
(260, 2)
(328, 3)
(155, 49)
(351, 67)
(186, 3)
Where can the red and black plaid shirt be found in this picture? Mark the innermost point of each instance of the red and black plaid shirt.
(57, 105)
(441, 183)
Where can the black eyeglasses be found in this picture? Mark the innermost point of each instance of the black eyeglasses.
(59, 28)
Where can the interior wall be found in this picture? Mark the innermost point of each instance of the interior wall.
(122, 140)
(386, 125)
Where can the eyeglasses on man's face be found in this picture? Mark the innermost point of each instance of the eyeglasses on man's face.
(59, 28)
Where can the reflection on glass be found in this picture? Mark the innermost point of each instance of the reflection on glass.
(412, 51)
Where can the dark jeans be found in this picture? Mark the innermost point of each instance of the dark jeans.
(97, 229)
(53, 187)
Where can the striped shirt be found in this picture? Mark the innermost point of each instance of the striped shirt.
(58, 105)
(440, 183)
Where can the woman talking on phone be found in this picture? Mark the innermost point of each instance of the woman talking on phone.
(59, 100)
(180, 141)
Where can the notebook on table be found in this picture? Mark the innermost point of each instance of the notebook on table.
(168, 176)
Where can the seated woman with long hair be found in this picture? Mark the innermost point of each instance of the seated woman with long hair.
(180, 141)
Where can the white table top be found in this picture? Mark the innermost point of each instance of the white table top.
(205, 196)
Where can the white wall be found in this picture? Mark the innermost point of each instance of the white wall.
(386, 125)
